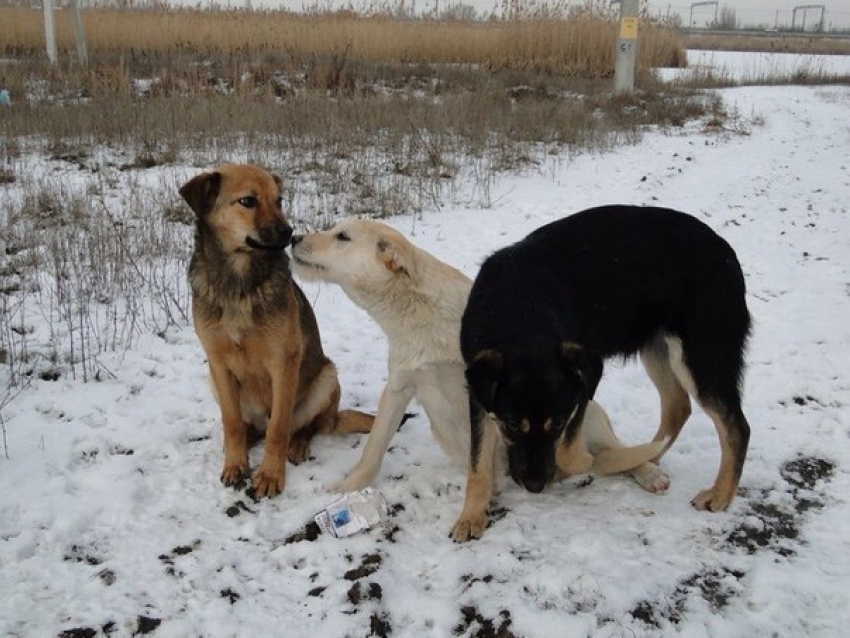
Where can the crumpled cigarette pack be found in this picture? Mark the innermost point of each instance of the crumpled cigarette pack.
(352, 513)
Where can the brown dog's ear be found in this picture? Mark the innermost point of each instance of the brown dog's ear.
(483, 374)
(586, 363)
(279, 182)
(395, 258)
(201, 191)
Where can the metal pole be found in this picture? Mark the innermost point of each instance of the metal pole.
(50, 31)
(624, 69)
(79, 34)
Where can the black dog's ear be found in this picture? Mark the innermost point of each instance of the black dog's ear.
(201, 191)
(586, 363)
(483, 375)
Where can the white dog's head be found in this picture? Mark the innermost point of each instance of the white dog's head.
(361, 256)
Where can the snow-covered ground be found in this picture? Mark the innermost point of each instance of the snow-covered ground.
(759, 67)
(112, 518)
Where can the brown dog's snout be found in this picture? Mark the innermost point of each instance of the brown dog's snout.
(276, 235)
(284, 234)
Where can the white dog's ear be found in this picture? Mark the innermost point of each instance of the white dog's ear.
(395, 258)
(390, 256)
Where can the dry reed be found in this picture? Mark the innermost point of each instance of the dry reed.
(582, 46)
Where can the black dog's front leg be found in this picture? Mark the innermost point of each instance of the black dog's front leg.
(481, 475)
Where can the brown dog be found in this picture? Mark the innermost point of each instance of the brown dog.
(260, 335)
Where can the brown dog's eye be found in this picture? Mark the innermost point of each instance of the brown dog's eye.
(343, 236)
(248, 202)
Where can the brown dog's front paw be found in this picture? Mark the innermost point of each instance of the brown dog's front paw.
(233, 473)
(711, 500)
(469, 527)
(268, 483)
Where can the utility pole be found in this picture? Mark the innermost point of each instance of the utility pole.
(804, 8)
(627, 36)
(703, 4)
(79, 34)
(50, 32)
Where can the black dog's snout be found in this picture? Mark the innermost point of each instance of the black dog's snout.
(534, 485)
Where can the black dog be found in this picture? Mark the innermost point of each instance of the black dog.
(614, 280)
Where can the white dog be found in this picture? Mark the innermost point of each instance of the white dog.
(418, 301)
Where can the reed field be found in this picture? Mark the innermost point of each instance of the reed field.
(187, 51)
(582, 45)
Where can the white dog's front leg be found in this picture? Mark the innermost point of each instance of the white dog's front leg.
(390, 412)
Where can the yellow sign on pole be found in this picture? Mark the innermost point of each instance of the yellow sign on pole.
(629, 28)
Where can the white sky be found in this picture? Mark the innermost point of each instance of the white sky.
(762, 12)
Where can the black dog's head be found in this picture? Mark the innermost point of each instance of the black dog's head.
(538, 396)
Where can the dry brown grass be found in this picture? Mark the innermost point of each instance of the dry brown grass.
(779, 43)
(579, 47)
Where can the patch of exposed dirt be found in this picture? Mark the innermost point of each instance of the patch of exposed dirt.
(357, 593)
(310, 533)
(80, 554)
(369, 564)
(237, 508)
(169, 559)
(474, 624)
(716, 586)
(764, 526)
(770, 526)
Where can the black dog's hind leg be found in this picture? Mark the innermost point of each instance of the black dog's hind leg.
(734, 433)
(712, 373)
(675, 403)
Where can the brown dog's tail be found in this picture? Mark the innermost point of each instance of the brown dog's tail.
(622, 459)
(353, 421)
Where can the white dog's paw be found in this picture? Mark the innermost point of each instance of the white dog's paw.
(354, 482)
(651, 478)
